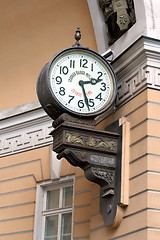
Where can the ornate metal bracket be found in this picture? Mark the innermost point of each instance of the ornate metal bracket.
(98, 153)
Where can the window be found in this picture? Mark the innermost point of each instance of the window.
(57, 213)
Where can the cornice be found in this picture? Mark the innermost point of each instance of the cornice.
(137, 68)
(8, 113)
(21, 117)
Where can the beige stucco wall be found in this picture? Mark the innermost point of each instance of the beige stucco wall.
(19, 175)
(32, 32)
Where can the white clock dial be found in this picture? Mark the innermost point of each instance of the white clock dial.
(81, 82)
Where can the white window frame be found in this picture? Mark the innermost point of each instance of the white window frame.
(40, 211)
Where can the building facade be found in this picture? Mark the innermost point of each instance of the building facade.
(45, 198)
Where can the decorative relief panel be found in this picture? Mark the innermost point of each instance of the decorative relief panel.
(25, 140)
(119, 16)
(90, 141)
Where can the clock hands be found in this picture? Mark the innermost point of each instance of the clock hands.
(81, 83)
(93, 81)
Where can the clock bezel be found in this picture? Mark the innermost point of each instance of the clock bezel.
(53, 104)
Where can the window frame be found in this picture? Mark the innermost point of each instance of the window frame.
(57, 211)
(41, 212)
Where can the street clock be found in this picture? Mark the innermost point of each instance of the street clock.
(81, 83)
(77, 81)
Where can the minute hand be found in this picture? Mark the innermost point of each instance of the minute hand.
(81, 83)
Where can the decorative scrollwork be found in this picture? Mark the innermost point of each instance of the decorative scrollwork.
(106, 175)
(74, 138)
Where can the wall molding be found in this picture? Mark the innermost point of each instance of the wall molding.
(24, 128)
(137, 69)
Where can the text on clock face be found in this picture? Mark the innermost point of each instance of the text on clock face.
(80, 94)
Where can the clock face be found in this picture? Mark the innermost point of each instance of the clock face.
(81, 82)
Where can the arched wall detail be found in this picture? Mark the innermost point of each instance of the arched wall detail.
(98, 25)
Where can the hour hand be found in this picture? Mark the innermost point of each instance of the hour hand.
(93, 81)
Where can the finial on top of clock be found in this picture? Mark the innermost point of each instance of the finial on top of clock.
(77, 37)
